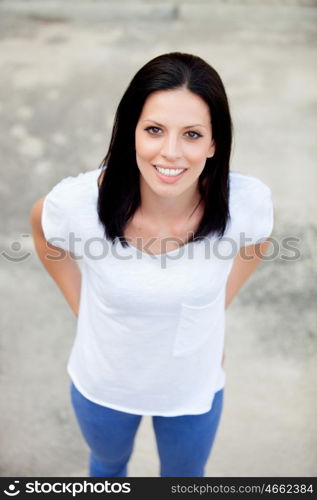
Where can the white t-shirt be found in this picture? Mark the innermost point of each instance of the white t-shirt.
(150, 328)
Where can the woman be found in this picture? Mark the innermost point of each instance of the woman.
(160, 231)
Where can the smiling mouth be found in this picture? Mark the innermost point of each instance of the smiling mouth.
(170, 172)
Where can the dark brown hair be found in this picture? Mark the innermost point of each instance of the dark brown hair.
(119, 192)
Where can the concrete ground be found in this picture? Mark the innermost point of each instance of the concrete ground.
(62, 74)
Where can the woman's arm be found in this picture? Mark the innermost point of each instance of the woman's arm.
(60, 264)
(243, 266)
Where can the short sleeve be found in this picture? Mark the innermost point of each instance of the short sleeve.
(56, 213)
(258, 215)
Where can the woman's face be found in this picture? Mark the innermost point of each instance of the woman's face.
(174, 134)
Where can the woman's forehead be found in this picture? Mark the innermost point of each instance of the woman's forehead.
(177, 105)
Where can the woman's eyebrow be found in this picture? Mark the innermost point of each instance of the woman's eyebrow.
(187, 126)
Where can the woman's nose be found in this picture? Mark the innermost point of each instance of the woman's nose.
(171, 148)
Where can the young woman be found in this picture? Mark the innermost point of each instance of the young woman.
(166, 236)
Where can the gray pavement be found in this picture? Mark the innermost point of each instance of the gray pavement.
(62, 75)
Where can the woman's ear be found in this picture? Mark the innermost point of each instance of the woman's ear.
(212, 149)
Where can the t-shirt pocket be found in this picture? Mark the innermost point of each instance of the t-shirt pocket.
(196, 324)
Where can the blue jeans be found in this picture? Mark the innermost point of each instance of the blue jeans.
(183, 442)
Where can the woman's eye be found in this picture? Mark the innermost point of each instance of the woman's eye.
(157, 131)
(193, 135)
(153, 130)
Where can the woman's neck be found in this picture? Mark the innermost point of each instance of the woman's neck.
(166, 213)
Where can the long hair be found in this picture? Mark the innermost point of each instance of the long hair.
(119, 192)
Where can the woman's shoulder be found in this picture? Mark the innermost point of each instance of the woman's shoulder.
(245, 187)
(84, 178)
(251, 208)
(73, 184)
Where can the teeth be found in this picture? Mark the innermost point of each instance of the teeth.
(170, 171)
